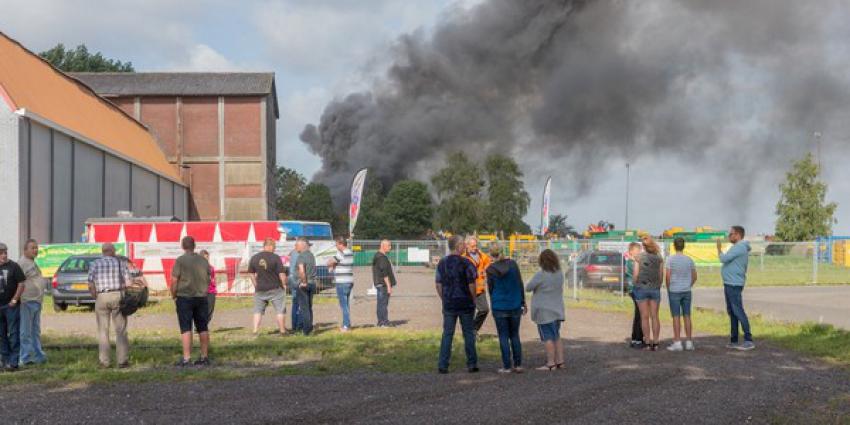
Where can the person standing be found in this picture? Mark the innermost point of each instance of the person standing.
(384, 279)
(31, 302)
(190, 280)
(212, 291)
(455, 285)
(507, 296)
(342, 265)
(628, 274)
(292, 279)
(269, 280)
(649, 274)
(481, 261)
(734, 274)
(12, 278)
(107, 279)
(306, 270)
(547, 307)
(681, 276)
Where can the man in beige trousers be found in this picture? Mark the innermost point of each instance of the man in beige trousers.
(107, 278)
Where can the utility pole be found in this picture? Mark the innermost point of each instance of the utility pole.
(817, 148)
(628, 175)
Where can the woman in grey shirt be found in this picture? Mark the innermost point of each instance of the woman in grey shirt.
(547, 307)
(649, 272)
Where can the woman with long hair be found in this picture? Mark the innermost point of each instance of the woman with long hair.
(648, 275)
(547, 307)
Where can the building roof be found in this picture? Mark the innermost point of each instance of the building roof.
(180, 83)
(35, 89)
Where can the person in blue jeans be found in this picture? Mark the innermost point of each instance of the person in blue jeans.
(293, 290)
(734, 273)
(507, 304)
(342, 265)
(681, 275)
(11, 287)
(455, 284)
(31, 301)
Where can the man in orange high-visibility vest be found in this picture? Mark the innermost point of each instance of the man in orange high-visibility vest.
(481, 261)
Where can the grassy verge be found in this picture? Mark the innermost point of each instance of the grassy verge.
(821, 341)
(236, 355)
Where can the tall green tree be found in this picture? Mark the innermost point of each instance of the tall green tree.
(409, 210)
(507, 200)
(316, 204)
(81, 60)
(558, 225)
(371, 222)
(459, 186)
(289, 187)
(802, 210)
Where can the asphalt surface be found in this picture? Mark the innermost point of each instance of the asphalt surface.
(821, 304)
(604, 382)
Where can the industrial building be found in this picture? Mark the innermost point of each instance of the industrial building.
(67, 155)
(218, 128)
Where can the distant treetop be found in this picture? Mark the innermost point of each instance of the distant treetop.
(81, 60)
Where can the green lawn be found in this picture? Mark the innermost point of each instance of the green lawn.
(822, 341)
(236, 354)
(771, 270)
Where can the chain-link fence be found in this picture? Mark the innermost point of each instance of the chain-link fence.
(599, 263)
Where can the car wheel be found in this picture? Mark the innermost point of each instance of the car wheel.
(59, 307)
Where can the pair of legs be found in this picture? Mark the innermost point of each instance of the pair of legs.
(637, 328)
(383, 307)
(735, 309)
(31, 351)
(296, 315)
(507, 326)
(680, 307)
(467, 326)
(193, 310)
(482, 308)
(211, 309)
(550, 335)
(275, 297)
(648, 301)
(343, 294)
(10, 342)
(107, 311)
(304, 298)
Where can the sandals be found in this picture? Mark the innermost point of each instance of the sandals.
(559, 366)
(650, 347)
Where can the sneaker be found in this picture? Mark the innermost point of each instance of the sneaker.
(344, 329)
(638, 345)
(503, 370)
(689, 345)
(746, 346)
(203, 361)
(183, 363)
(676, 346)
(732, 345)
(519, 369)
(473, 369)
(11, 368)
(442, 371)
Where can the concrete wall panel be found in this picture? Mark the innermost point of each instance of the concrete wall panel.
(144, 193)
(62, 188)
(244, 209)
(160, 115)
(88, 186)
(242, 130)
(40, 182)
(243, 173)
(200, 126)
(117, 186)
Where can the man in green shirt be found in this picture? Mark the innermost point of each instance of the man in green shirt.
(190, 279)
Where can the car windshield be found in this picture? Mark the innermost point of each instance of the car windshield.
(606, 259)
(76, 265)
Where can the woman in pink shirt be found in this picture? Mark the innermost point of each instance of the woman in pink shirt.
(211, 292)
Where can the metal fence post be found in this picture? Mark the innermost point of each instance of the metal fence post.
(815, 253)
(575, 270)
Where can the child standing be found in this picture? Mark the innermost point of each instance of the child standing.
(681, 276)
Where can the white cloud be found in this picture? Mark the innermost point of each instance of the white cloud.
(204, 58)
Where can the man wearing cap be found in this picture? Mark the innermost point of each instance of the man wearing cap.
(305, 267)
(11, 279)
(107, 279)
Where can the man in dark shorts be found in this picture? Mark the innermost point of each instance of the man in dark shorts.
(190, 279)
(269, 283)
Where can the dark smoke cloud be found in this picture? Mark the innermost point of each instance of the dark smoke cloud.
(581, 82)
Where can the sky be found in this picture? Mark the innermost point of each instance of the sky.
(321, 50)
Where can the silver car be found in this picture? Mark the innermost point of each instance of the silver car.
(70, 284)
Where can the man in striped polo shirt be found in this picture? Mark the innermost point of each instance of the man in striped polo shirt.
(343, 268)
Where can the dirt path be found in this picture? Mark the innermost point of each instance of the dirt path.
(605, 382)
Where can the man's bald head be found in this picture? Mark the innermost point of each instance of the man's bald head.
(108, 249)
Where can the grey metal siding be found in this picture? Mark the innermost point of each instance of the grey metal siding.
(88, 186)
(180, 202)
(166, 197)
(145, 198)
(40, 183)
(117, 186)
(62, 189)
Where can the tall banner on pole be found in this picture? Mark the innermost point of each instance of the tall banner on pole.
(356, 196)
(544, 211)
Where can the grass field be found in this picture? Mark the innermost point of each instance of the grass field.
(821, 341)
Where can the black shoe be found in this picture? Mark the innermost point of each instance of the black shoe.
(183, 363)
(203, 361)
(473, 369)
(11, 368)
(124, 365)
(442, 371)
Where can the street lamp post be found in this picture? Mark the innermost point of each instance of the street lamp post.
(628, 175)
